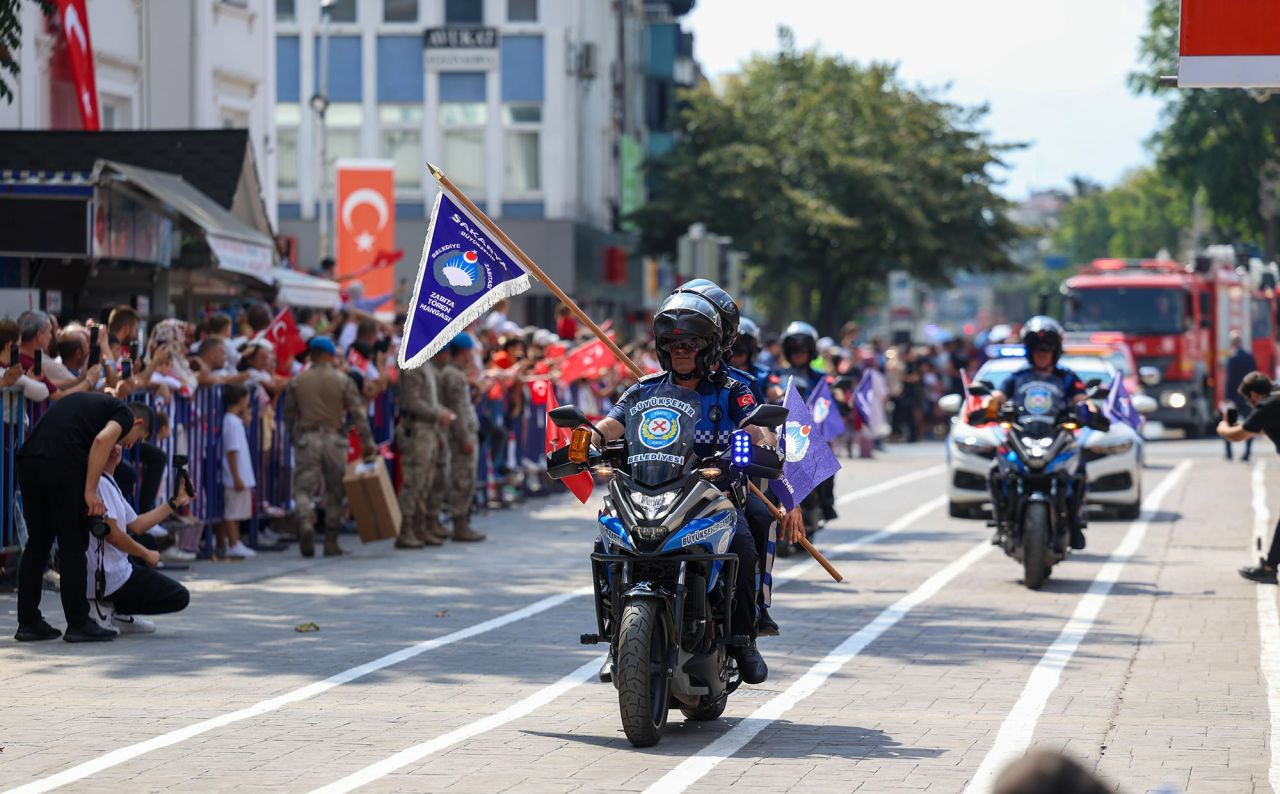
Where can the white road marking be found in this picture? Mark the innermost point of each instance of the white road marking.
(693, 769)
(1017, 729)
(513, 712)
(1268, 626)
(888, 485)
(801, 568)
(123, 754)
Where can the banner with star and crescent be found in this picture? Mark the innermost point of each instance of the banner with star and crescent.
(365, 231)
(463, 272)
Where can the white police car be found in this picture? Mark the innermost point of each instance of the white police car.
(1113, 458)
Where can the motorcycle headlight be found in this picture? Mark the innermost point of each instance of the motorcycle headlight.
(975, 446)
(650, 533)
(653, 507)
(1112, 449)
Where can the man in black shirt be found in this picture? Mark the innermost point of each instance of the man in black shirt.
(1257, 388)
(58, 470)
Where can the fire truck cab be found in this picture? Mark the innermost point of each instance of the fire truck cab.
(1177, 320)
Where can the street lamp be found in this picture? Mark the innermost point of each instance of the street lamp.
(319, 104)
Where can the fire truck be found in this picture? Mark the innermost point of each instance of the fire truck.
(1177, 320)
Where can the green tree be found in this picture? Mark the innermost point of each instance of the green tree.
(1216, 139)
(828, 175)
(1147, 211)
(11, 40)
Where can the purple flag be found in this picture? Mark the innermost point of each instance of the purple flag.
(463, 272)
(1118, 407)
(826, 414)
(809, 460)
(862, 398)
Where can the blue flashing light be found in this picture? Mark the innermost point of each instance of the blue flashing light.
(741, 449)
(1005, 351)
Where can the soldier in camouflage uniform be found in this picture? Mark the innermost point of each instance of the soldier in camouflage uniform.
(461, 437)
(418, 439)
(316, 405)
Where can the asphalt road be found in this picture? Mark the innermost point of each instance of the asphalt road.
(459, 668)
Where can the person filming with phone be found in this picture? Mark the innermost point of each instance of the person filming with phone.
(1258, 390)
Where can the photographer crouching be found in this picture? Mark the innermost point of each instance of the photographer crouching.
(1257, 389)
(60, 467)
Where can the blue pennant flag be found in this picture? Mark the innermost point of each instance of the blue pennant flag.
(1118, 407)
(826, 414)
(808, 459)
(862, 397)
(463, 273)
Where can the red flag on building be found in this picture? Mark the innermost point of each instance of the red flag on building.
(557, 437)
(284, 336)
(586, 361)
(75, 29)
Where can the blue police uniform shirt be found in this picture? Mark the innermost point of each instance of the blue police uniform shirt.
(752, 381)
(1040, 392)
(732, 401)
(806, 379)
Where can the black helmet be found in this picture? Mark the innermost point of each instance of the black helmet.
(748, 341)
(1041, 331)
(686, 315)
(728, 308)
(800, 336)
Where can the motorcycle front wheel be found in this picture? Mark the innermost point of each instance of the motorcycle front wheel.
(641, 674)
(1035, 545)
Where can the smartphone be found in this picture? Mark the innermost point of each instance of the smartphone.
(15, 358)
(38, 369)
(1233, 415)
(134, 351)
(126, 368)
(95, 348)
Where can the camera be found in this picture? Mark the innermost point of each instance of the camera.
(1232, 415)
(180, 464)
(95, 349)
(98, 527)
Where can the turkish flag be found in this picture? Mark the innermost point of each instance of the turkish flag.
(557, 437)
(75, 29)
(284, 336)
(365, 226)
(586, 361)
(538, 390)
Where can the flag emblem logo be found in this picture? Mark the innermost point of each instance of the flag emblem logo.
(459, 271)
(659, 427)
(821, 410)
(1039, 400)
(797, 440)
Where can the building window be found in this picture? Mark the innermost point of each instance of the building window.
(342, 130)
(464, 159)
(234, 119)
(116, 112)
(285, 11)
(522, 10)
(399, 10)
(523, 123)
(340, 10)
(464, 12)
(402, 143)
(463, 118)
(288, 116)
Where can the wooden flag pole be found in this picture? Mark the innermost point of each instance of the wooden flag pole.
(573, 307)
(529, 265)
(804, 542)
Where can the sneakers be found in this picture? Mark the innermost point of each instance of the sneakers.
(132, 624)
(1077, 538)
(36, 632)
(1260, 573)
(89, 631)
(240, 550)
(175, 554)
(101, 613)
(268, 538)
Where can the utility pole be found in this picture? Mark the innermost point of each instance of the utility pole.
(320, 104)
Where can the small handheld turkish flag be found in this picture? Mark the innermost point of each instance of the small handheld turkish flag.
(557, 437)
(284, 336)
(585, 361)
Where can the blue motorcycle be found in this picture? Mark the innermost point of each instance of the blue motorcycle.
(663, 576)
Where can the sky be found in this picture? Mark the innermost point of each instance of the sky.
(1053, 73)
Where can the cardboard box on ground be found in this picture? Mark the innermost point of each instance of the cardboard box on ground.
(373, 500)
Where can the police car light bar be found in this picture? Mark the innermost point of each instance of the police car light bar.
(1005, 351)
(741, 449)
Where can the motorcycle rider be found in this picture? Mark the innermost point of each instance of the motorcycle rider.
(742, 356)
(800, 350)
(1042, 344)
(759, 517)
(689, 337)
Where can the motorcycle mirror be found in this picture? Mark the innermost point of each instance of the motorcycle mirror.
(1150, 376)
(1093, 383)
(979, 389)
(1143, 404)
(765, 416)
(569, 416)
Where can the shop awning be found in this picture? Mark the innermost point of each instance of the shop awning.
(300, 289)
(236, 246)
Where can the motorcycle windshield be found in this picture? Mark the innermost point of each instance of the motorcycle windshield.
(1039, 414)
(660, 434)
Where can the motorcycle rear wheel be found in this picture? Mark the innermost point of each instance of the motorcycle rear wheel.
(707, 710)
(1035, 545)
(641, 673)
